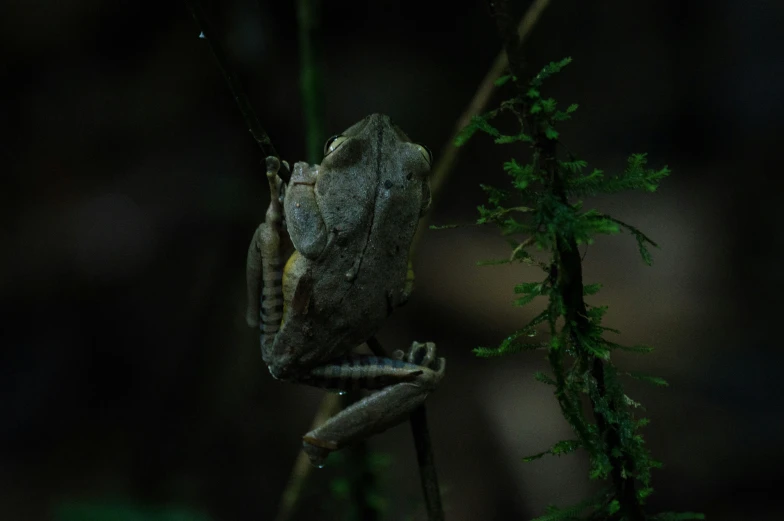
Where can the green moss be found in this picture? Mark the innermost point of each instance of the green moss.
(546, 225)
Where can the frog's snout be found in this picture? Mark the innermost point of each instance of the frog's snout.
(281, 371)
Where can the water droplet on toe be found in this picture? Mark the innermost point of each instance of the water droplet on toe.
(317, 460)
(201, 36)
(341, 393)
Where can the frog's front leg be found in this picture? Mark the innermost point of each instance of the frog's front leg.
(403, 385)
(264, 269)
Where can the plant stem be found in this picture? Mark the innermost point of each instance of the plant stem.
(302, 468)
(362, 481)
(424, 449)
(571, 289)
(209, 34)
(310, 79)
(427, 465)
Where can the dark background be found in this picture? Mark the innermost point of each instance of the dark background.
(131, 189)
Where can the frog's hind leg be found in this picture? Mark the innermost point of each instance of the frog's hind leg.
(264, 267)
(403, 384)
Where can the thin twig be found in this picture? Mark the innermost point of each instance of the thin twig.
(427, 465)
(361, 479)
(424, 449)
(330, 406)
(211, 36)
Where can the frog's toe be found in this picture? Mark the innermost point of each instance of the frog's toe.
(422, 353)
(317, 450)
(439, 367)
(273, 165)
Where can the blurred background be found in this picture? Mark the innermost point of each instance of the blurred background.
(131, 188)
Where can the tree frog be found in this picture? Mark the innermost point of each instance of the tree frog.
(329, 263)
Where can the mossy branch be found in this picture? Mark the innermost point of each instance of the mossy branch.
(578, 353)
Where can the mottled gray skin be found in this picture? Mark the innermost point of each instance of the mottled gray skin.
(352, 220)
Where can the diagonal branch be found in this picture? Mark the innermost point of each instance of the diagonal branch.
(449, 152)
(330, 406)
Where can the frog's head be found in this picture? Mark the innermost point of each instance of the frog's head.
(374, 154)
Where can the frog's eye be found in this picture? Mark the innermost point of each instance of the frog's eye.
(426, 153)
(333, 143)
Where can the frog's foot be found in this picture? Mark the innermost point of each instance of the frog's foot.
(424, 355)
(403, 386)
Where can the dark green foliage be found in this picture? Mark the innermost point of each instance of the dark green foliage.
(540, 376)
(656, 380)
(562, 447)
(591, 289)
(677, 516)
(539, 210)
(123, 511)
(503, 79)
(353, 489)
(635, 177)
(595, 507)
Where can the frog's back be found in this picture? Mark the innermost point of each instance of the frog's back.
(371, 191)
(342, 299)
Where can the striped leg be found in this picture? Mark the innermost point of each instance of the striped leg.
(354, 372)
(264, 268)
(404, 384)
